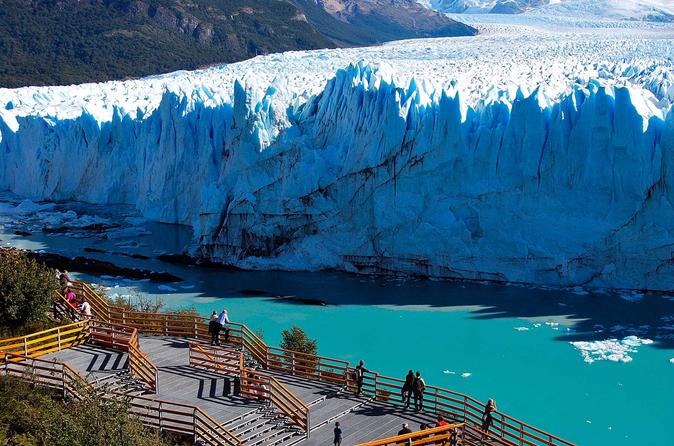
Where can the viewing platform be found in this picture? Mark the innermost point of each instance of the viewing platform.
(243, 393)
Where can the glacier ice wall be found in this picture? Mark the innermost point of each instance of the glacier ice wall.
(371, 176)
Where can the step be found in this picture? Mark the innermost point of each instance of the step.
(278, 433)
(261, 431)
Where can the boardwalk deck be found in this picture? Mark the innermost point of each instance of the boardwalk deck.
(361, 418)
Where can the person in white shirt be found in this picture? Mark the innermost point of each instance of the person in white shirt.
(221, 321)
(85, 308)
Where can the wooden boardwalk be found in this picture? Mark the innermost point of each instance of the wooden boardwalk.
(362, 419)
(248, 393)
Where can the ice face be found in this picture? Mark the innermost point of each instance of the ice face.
(541, 160)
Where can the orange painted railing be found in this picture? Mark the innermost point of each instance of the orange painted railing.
(506, 430)
(450, 435)
(217, 359)
(125, 338)
(47, 341)
(263, 386)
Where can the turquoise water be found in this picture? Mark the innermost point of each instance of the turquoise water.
(446, 330)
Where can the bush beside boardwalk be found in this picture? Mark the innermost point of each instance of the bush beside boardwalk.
(36, 416)
(26, 292)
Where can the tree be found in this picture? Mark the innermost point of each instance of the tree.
(34, 416)
(26, 290)
(297, 340)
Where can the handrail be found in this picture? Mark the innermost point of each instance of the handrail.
(155, 413)
(261, 385)
(47, 341)
(124, 337)
(217, 359)
(449, 433)
(459, 406)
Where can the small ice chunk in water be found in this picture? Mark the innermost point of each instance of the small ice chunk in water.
(465, 375)
(187, 287)
(449, 372)
(166, 288)
(522, 328)
(671, 360)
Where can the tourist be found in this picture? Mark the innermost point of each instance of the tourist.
(338, 434)
(487, 416)
(405, 430)
(418, 389)
(408, 387)
(213, 327)
(65, 278)
(71, 297)
(221, 321)
(440, 421)
(359, 376)
(423, 426)
(85, 308)
(58, 275)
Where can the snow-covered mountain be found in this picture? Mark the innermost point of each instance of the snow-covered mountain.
(545, 158)
(645, 10)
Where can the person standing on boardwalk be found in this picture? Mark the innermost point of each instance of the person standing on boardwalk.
(487, 416)
(338, 434)
(221, 321)
(419, 387)
(359, 375)
(408, 387)
(405, 430)
(85, 308)
(213, 327)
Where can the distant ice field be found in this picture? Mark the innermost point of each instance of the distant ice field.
(523, 53)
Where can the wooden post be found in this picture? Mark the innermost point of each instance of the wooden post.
(25, 346)
(160, 416)
(63, 382)
(194, 424)
(58, 336)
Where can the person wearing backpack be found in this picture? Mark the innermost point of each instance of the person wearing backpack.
(358, 375)
(418, 389)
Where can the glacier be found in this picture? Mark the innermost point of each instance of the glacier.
(506, 157)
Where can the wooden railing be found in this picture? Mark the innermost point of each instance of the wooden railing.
(51, 374)
(450, 435)
(47, 341)
(263, 386)
(217, 359)
(160, 414)
(122, 337)
(506, 430)
(320, 368)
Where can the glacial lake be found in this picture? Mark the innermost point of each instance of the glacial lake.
(507, 342)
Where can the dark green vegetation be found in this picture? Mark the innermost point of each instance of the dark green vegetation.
(72, 41)
(48, 42)
(26, 291)
(297, 340)
(38, 417)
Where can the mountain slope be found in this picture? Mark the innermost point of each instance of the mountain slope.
(72, 41)
(363, 22)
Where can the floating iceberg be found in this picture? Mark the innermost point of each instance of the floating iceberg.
(496, 159)
(615, 350)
